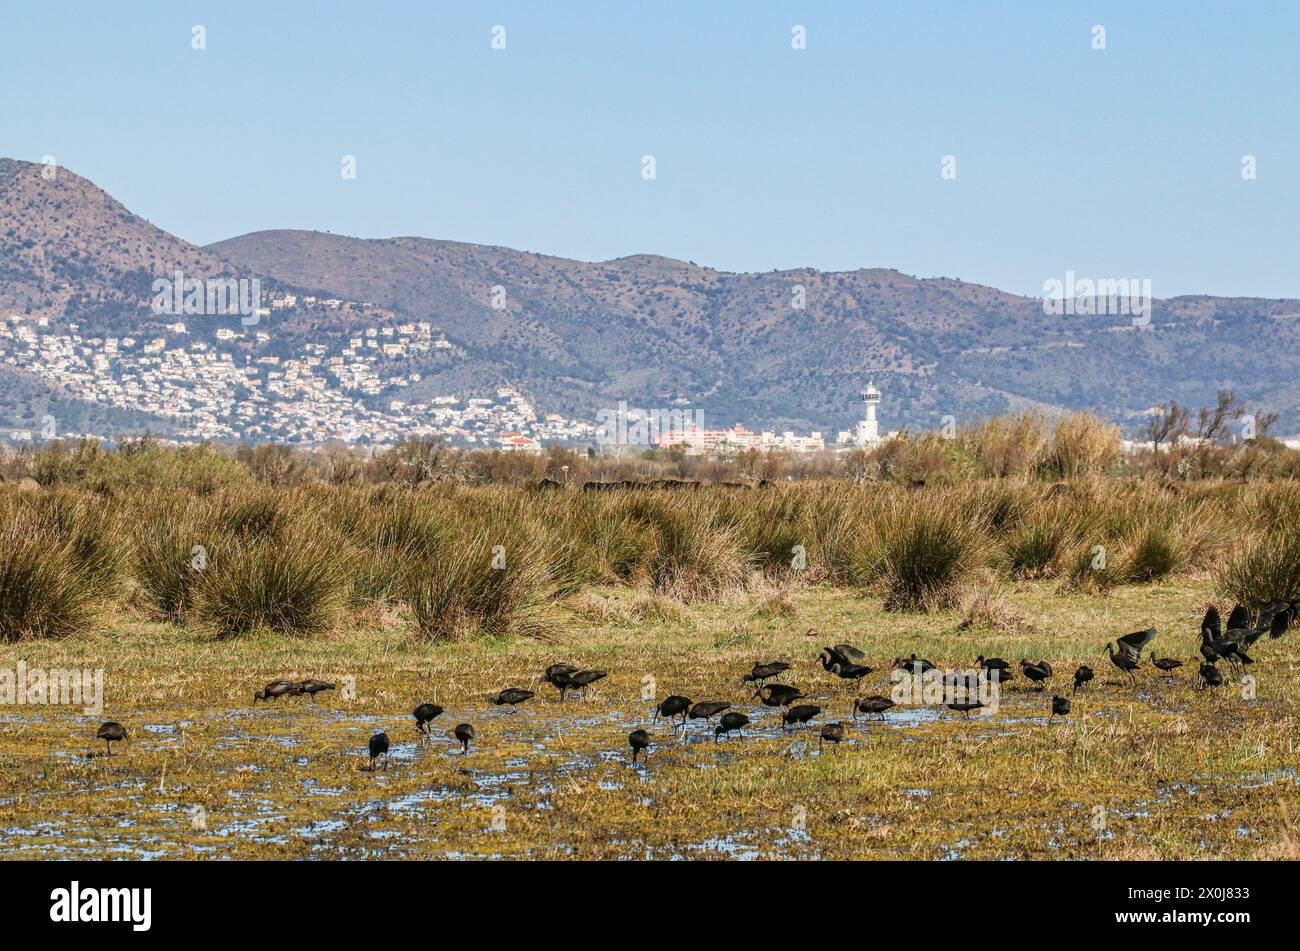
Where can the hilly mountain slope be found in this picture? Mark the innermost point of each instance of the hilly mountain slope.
(788, 349)
(649, 329)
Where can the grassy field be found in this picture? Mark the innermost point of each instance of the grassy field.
(1161, 771)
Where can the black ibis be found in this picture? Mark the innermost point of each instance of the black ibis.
(964, 707)
(800, 714)
(831, 733)
(995, 668)
(778, 695)
(729, 722)
(708, 709)
(1230, 645)
(1275, 618)
(1211, 676)
(1211, 631)
(1060, 707)
(1036, 671)
(876, 705)
(557, 676)
(1281, 615)
(581, 681)
(763, 672)
(278, 688)
(464, 732)
(1124, 661)
(850, 671)
(1082, 676)
(378, 748)
(111, 732)
(1166, 664)
(672, 706)
(511, 697)
(916, 666)
(841, 654)
(313, 687)
(638, 740)
(1133, 644)
(1126, 652)
(424, 715)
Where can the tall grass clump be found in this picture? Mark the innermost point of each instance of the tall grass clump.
(1157, 548)
(291, 585)
(474, 585)
(389, 533)
(90, 530)
(700, 555)
(924, 554)
(1008, 447)
(1266, 567)
(607, 541)
(1035, 546)
(46, 590)
(1083, 447)
(170, 552)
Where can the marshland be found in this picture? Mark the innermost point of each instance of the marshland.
(192, 578)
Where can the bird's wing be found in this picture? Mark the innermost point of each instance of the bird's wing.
(1239, 619)
(1281, 621)
(1135, 642)
(1211, 626)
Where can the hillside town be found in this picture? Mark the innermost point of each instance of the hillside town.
(228, 384)
(222, 388)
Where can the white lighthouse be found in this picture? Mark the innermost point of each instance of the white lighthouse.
(868, 431)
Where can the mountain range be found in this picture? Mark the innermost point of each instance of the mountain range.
(777, 350)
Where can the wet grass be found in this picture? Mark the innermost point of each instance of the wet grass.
(1163, 771)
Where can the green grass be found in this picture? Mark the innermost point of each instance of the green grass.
(1178, 773)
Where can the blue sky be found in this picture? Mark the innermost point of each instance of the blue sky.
(1114, 163)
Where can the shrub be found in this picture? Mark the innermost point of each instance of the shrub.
(925, 554)
(291, 585)
(458, 592)
(165, 557)
(1084, 446)
(1266, 567)
(45, 589)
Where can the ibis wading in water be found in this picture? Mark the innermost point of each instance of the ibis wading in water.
(729, 722)
(1037, 671)
(378, 748)
(511, 697)
(424, 715)
(831, 733)
(673, 706)
(1060, 707)
(463, 734)
(1082, 676)
(111, 732)
(874, 706)
(778, 695)
(800, 714)
(638, 740)
(706, 710)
